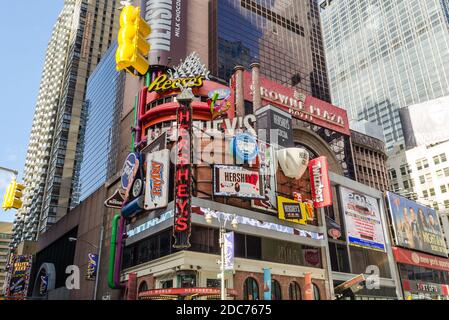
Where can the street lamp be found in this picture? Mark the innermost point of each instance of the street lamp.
(98, 249)
(222, 220)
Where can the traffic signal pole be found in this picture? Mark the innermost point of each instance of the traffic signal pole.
(14, 172)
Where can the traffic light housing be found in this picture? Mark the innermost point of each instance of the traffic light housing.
(133, 47)
(13, 196)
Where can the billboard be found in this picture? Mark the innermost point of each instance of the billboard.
(92, 266)
(156, 187)
(168, 22)
(19, 276)
(363, 221)
(416, 227)
(232, 181)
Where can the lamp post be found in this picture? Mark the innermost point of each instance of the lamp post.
(98, 249)
(222, 220)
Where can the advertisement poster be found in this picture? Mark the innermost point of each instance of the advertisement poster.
(267, 284)
(292, 210)
(19, 276)
(156, 187)
(416, 226)
(268, 176)
(229, 250)
(92, 266)
(232, 181)
(363, 221)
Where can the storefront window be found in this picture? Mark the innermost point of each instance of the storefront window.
(213, 283)
(167, 284)
(316, 292)
(363, 258)
(275, 290)
(250, 289)
(294, 291)
(187, 280)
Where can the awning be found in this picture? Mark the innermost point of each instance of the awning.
(175, 293)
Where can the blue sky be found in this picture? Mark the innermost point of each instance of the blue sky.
(26, 28)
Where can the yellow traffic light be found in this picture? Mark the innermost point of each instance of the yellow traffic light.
(132, 44)
(13, 196)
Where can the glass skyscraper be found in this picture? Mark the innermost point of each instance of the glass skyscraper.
(284, 36)
(383, 55)
(103, 106)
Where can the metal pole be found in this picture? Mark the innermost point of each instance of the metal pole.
(97, 276)
(15, 172)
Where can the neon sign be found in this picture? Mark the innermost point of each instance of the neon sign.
(183, 176)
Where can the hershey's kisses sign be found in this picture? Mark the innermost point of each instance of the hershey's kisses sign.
(190, 74)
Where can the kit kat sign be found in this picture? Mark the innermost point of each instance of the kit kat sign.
(305, 108)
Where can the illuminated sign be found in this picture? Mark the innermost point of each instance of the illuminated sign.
(218, 102)
(156, 189)
(115, 201)
(320, 182)
(19, 276)
(129, 172)
(183, 176)
(268, 176)
(232, 181)
(244, 146)
(190, 74)
(163, 83)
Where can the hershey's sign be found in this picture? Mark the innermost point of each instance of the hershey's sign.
(167, 19)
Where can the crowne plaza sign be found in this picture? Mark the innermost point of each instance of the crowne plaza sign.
(300, 106)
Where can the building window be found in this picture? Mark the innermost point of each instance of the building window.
(443, 157)
(316, 292)
(422, 179)
(393, 174)
(446, 204)
(443, 188)
(187, 280)
(167, 284)
(432, 192)
(250, 289)
(294, 291)
(425, 193)
(143, 287)
(275, 290)
(436, 160)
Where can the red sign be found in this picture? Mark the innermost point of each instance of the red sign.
(320, 182)
(300, 106)
(420, 259)
(183, 177)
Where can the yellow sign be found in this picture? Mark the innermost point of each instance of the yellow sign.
(291, 210)
(163, 83)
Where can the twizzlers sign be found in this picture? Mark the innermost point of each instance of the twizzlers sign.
(320, 182)
(183, 176)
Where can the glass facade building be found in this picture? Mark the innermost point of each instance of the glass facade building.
(284, 36)
(103, 106)
(383, 55)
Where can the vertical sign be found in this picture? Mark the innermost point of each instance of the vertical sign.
(156, 188)
(268, 176)
(320, 182)
(183, 176)
(168, 22)
(229, 250)
(92, 266)
(20, 277)
(267, 284)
